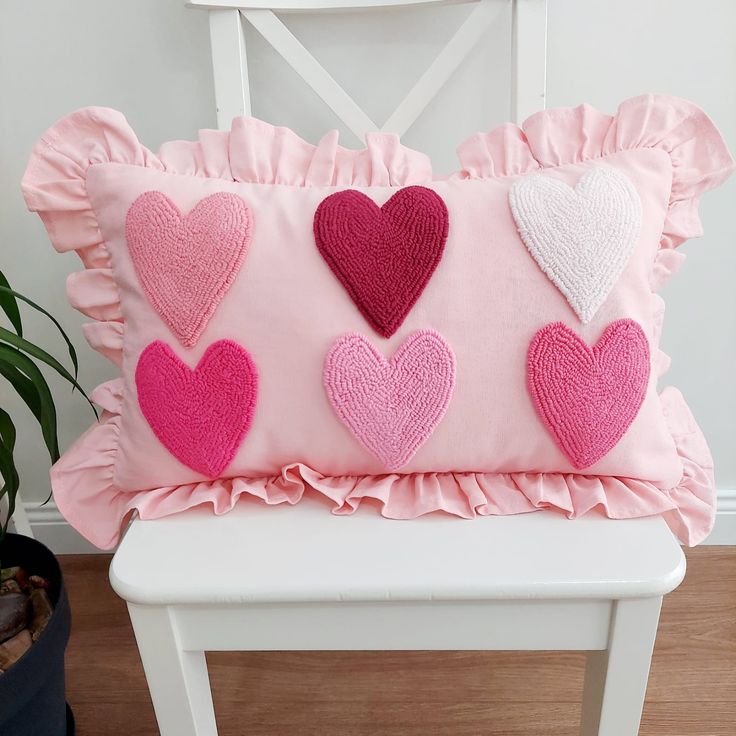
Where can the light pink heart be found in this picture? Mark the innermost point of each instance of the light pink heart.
(202, 415)
(187, 263)
(588, 397)
(391, 406)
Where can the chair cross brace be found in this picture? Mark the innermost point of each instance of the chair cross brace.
(232, 89)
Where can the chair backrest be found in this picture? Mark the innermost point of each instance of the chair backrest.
(230, 63)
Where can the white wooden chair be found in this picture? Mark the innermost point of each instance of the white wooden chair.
(269, 578)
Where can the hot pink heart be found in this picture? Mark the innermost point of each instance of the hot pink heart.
(201, 416)
(588, 397)
(384, 257)
(391, 406)
(186, 263)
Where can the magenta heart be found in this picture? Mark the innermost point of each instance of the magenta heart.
(201, 416)
(391, 406)
(384, 257)
(186, 263)
(588, 397)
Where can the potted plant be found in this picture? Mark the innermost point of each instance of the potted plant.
(34, 611)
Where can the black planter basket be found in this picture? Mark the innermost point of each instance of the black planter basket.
(32, 701)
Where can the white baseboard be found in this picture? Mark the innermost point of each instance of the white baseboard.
(724, 531)
(50, 527)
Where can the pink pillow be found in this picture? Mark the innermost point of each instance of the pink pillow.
(289, 317)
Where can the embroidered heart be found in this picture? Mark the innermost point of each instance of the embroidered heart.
(391, 406)
(201, 416)
(580, 237)
(384, 257)
(186, 263)
(588, 397)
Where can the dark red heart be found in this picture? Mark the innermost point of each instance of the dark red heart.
(383, 256)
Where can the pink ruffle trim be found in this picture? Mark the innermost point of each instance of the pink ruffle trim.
(85, 493)
(253, 151)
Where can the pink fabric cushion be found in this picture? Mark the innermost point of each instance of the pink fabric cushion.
(571, 219)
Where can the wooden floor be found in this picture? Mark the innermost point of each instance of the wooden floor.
(692, 689)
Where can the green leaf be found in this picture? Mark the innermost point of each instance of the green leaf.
(5, 291)
(42, 355)
(9, 305)
(42, 406)
(7, 429)
(11, 483)
(23, 385)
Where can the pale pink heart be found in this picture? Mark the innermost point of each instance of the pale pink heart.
(187, 263)
(588, 396)
(583, 236)
(200, 415)
(391, 406)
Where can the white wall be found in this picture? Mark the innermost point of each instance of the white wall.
(151, 60)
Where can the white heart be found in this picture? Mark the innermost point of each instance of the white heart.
(581, 237)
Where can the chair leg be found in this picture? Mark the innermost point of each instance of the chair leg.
(616, 678)
(177, 680)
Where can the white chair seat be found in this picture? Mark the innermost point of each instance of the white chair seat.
(257, 554)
